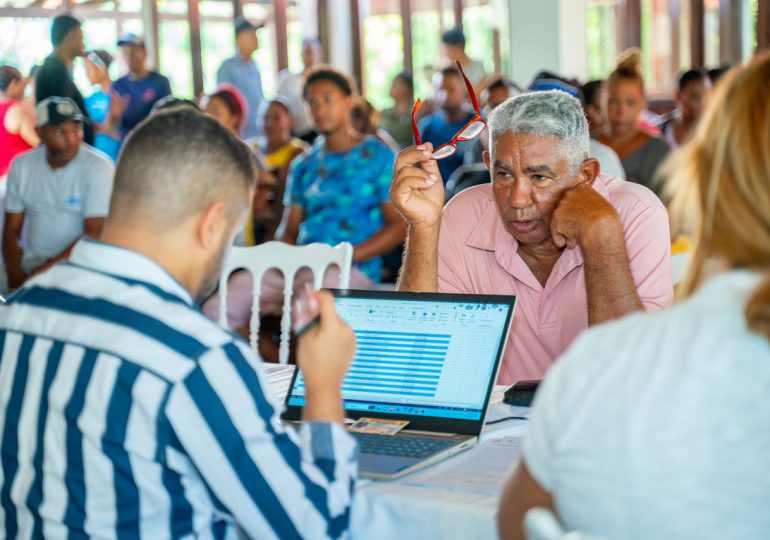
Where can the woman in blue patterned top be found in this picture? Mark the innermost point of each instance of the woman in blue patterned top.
(337, 192)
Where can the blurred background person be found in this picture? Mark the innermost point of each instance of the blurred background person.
(609, 163)
(98, 103)
(17, 125)
(339, 191)
(453, 50)
(290, 85)
(593, 95)
(473, 172)
(694, 87)
(55, 75)
(496, 89)
(242, 72)
(452, 116)
(30, 90)
(279, 149)
(365, 120)
(59, 192)
(397, 120)
(138, 90)
(227, 106)
(639, 152)
(631, 58)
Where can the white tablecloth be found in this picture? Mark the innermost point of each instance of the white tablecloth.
(393, 510)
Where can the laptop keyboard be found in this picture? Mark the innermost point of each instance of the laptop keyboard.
(394, 445)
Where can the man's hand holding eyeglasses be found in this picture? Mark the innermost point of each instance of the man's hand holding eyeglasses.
(417, 189)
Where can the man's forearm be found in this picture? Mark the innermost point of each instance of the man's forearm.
(419, 271)
(609, 283)
(13, 254)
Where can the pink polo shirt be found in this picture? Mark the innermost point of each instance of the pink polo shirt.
(478, 256)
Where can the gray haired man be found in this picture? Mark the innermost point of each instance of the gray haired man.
(576, 247)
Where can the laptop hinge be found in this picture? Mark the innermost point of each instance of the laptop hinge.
(431, 433)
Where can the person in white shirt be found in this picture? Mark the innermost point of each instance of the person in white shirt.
(290, 87)
(655, 426)
(60, 190)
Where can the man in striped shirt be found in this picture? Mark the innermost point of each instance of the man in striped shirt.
(124, 412)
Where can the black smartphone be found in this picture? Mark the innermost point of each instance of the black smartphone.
(521, 393)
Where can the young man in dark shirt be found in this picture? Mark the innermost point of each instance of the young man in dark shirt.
(55, 76)
(141, 88)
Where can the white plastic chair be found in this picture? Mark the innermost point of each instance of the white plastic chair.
(289, 260)
(541, 524)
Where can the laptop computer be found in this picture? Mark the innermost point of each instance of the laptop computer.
(428, 359)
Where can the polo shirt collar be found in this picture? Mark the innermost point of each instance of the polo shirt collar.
(126, 264)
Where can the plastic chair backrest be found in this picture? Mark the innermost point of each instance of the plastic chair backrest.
(289, 260)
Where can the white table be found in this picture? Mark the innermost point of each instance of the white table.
(393, 510)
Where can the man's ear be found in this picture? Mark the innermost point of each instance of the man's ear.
(589, 171)
(211, 226)
(487, 157)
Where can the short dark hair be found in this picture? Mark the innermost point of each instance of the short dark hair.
(716, 73)
(325, 72)
(406, 77)
(173, 102)
(690, 76)
(503, 82)
(175, 164)
(627, 73)
(281, 102)
(591, 91)
(8, 74)
(454, 37)
(450, 70)
(61, 27)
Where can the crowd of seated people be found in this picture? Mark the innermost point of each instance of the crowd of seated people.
(555, 193)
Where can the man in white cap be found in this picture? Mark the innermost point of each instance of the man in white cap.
(61, 190)
(242, 72)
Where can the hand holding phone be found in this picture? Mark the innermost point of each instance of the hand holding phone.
(305, 314)
(324, 354)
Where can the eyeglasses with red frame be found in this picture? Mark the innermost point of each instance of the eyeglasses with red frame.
(469, 131)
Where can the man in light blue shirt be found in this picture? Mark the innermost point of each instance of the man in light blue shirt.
(242, 72)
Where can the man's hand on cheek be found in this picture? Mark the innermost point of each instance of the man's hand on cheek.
(584, 218)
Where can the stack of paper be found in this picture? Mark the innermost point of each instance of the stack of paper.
(482, 470)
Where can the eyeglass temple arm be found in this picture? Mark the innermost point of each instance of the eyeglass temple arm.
(415, 129)
(469, 86)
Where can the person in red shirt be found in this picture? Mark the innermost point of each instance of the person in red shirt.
(17, 124)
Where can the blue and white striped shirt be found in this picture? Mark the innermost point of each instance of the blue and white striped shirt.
(124, 412)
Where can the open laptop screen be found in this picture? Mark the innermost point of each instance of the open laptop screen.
(436, 356)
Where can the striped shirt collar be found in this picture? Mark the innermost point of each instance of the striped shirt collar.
(126, 264)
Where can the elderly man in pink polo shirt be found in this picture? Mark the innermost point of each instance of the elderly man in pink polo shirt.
(576, 247)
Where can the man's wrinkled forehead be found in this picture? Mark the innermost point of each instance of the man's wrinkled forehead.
(527, 151)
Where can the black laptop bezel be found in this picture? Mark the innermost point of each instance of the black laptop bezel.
(427, 423)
